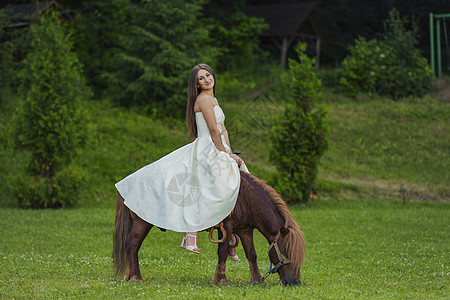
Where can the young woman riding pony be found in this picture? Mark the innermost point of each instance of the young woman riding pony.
(196, 186)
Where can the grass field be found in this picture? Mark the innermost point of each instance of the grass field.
(378, 230)
(365, 248)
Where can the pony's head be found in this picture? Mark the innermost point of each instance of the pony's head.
(287, 252)
(288, 246)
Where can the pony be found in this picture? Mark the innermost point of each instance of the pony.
(258, 206)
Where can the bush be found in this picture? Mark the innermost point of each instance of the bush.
(392, 66)
(50, 123)
(410, 73)
(299, 135)
(367, 66)
(60, 191)
(330, 78)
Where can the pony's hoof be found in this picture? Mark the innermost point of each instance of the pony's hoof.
(224, 281)
(221, 281)
(257, 278)
(133, 278)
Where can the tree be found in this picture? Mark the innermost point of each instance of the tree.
(412, 75)
(98, 27)
(164, 40)
(300, 134)
(13, 43)
(5, 58)
(50, 123)
(234, 34)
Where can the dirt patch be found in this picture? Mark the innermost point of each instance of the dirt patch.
(389, 189)
(443, 90)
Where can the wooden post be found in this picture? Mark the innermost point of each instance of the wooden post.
(432, 44)
(284, 48)
(317, 53)
(438, 42)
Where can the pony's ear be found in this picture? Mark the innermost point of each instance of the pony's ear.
(284, 231)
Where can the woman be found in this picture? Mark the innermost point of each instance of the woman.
(196, 186)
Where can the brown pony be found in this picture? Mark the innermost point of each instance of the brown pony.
(258, 206)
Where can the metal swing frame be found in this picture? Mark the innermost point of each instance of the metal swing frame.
(435, 21)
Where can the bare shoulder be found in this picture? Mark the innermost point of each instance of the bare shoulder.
(203, 102)
(203, 98)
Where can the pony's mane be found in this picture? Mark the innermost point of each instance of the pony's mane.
(294, 241)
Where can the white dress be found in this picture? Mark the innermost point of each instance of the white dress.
(190, 189)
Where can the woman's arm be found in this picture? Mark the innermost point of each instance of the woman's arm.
(232, 155)
(225, 135)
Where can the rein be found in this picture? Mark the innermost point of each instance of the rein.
(283, 260)
(222, 229)
(224, 233)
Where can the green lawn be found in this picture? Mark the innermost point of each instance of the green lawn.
(365, 248)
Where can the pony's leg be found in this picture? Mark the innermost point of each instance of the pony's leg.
(134, 241)
(222, 252)
(249, 248)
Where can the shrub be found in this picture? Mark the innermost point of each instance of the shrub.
(391, 66)
(368, 64)
(299, 135)
(50, 122)
(410, 73)
(34, 191)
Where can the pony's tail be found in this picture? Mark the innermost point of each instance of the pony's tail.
(123, 224)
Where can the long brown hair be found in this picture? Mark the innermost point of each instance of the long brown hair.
(193, 91)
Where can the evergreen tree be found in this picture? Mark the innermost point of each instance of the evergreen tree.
(5, 59)
(97, 29)
(412, 74)
(164, 40)
(300, 134)
(13, 43)
(235, 34)
(50, 125)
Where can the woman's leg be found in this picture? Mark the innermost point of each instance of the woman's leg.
(232, 250)
(190, 242)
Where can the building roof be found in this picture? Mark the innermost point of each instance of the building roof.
(21, 14)
(288, 19)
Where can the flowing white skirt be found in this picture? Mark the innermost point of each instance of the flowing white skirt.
(190, 189)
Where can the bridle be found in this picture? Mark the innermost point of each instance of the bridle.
(283, 260)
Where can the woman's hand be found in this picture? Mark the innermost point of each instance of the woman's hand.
(238, 160)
